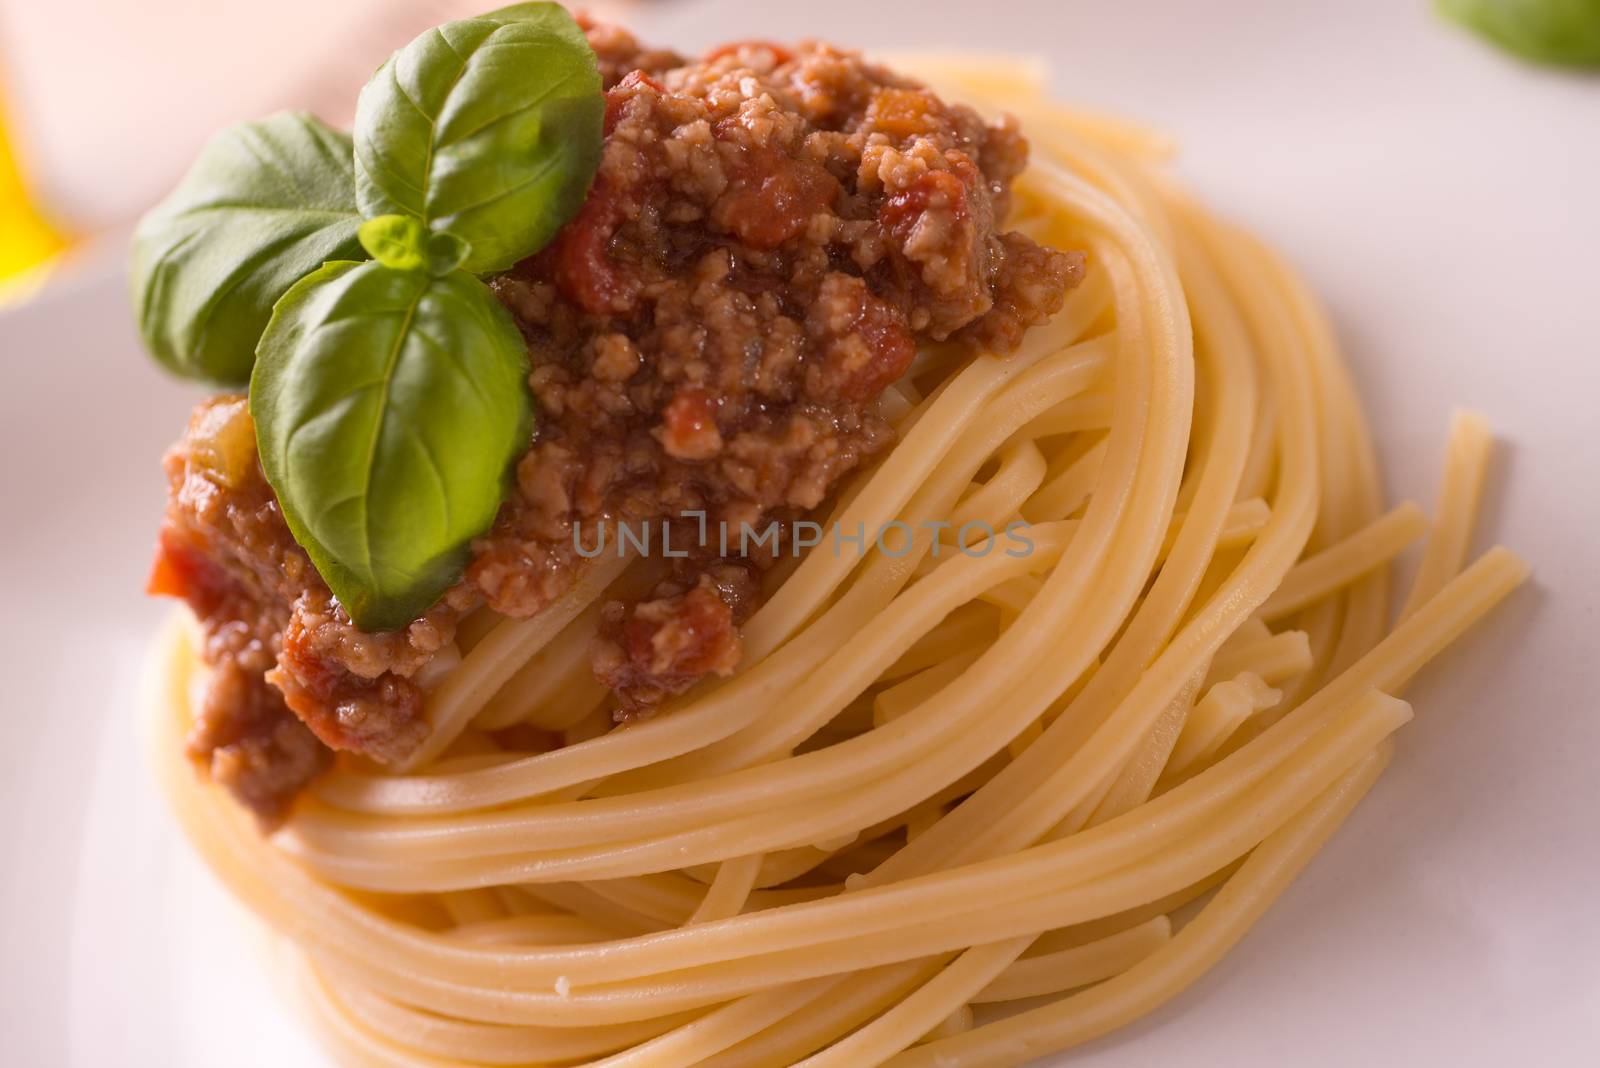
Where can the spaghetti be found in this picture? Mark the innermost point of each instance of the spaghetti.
(939, 782)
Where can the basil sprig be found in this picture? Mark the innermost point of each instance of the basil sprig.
(389, 395)
(265, 203)
(453, 131)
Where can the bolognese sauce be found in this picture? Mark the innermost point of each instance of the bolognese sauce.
(771, 232)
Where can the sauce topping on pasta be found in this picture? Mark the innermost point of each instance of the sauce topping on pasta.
(770, 234)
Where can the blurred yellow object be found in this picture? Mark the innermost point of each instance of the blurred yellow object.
(28, 243)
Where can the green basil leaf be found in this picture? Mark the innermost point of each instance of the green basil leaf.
(1565, 32)
(402, 242)
(395, 241)
(389, 406)
(445, 251)
(488, 127)
(265, 203)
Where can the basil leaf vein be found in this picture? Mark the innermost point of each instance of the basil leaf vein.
(265, 203)
(389, 407)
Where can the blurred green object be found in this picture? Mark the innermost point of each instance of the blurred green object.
(1560, 32)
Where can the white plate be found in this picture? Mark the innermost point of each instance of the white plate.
(1447, 204)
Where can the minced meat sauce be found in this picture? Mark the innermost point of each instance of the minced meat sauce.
(770, 233)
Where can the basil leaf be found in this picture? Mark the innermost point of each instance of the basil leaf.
(402, 242)
(395, 241)
(389, 405)
(264, 203)
(445, 251)
(488, 127)
(1546, 31)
